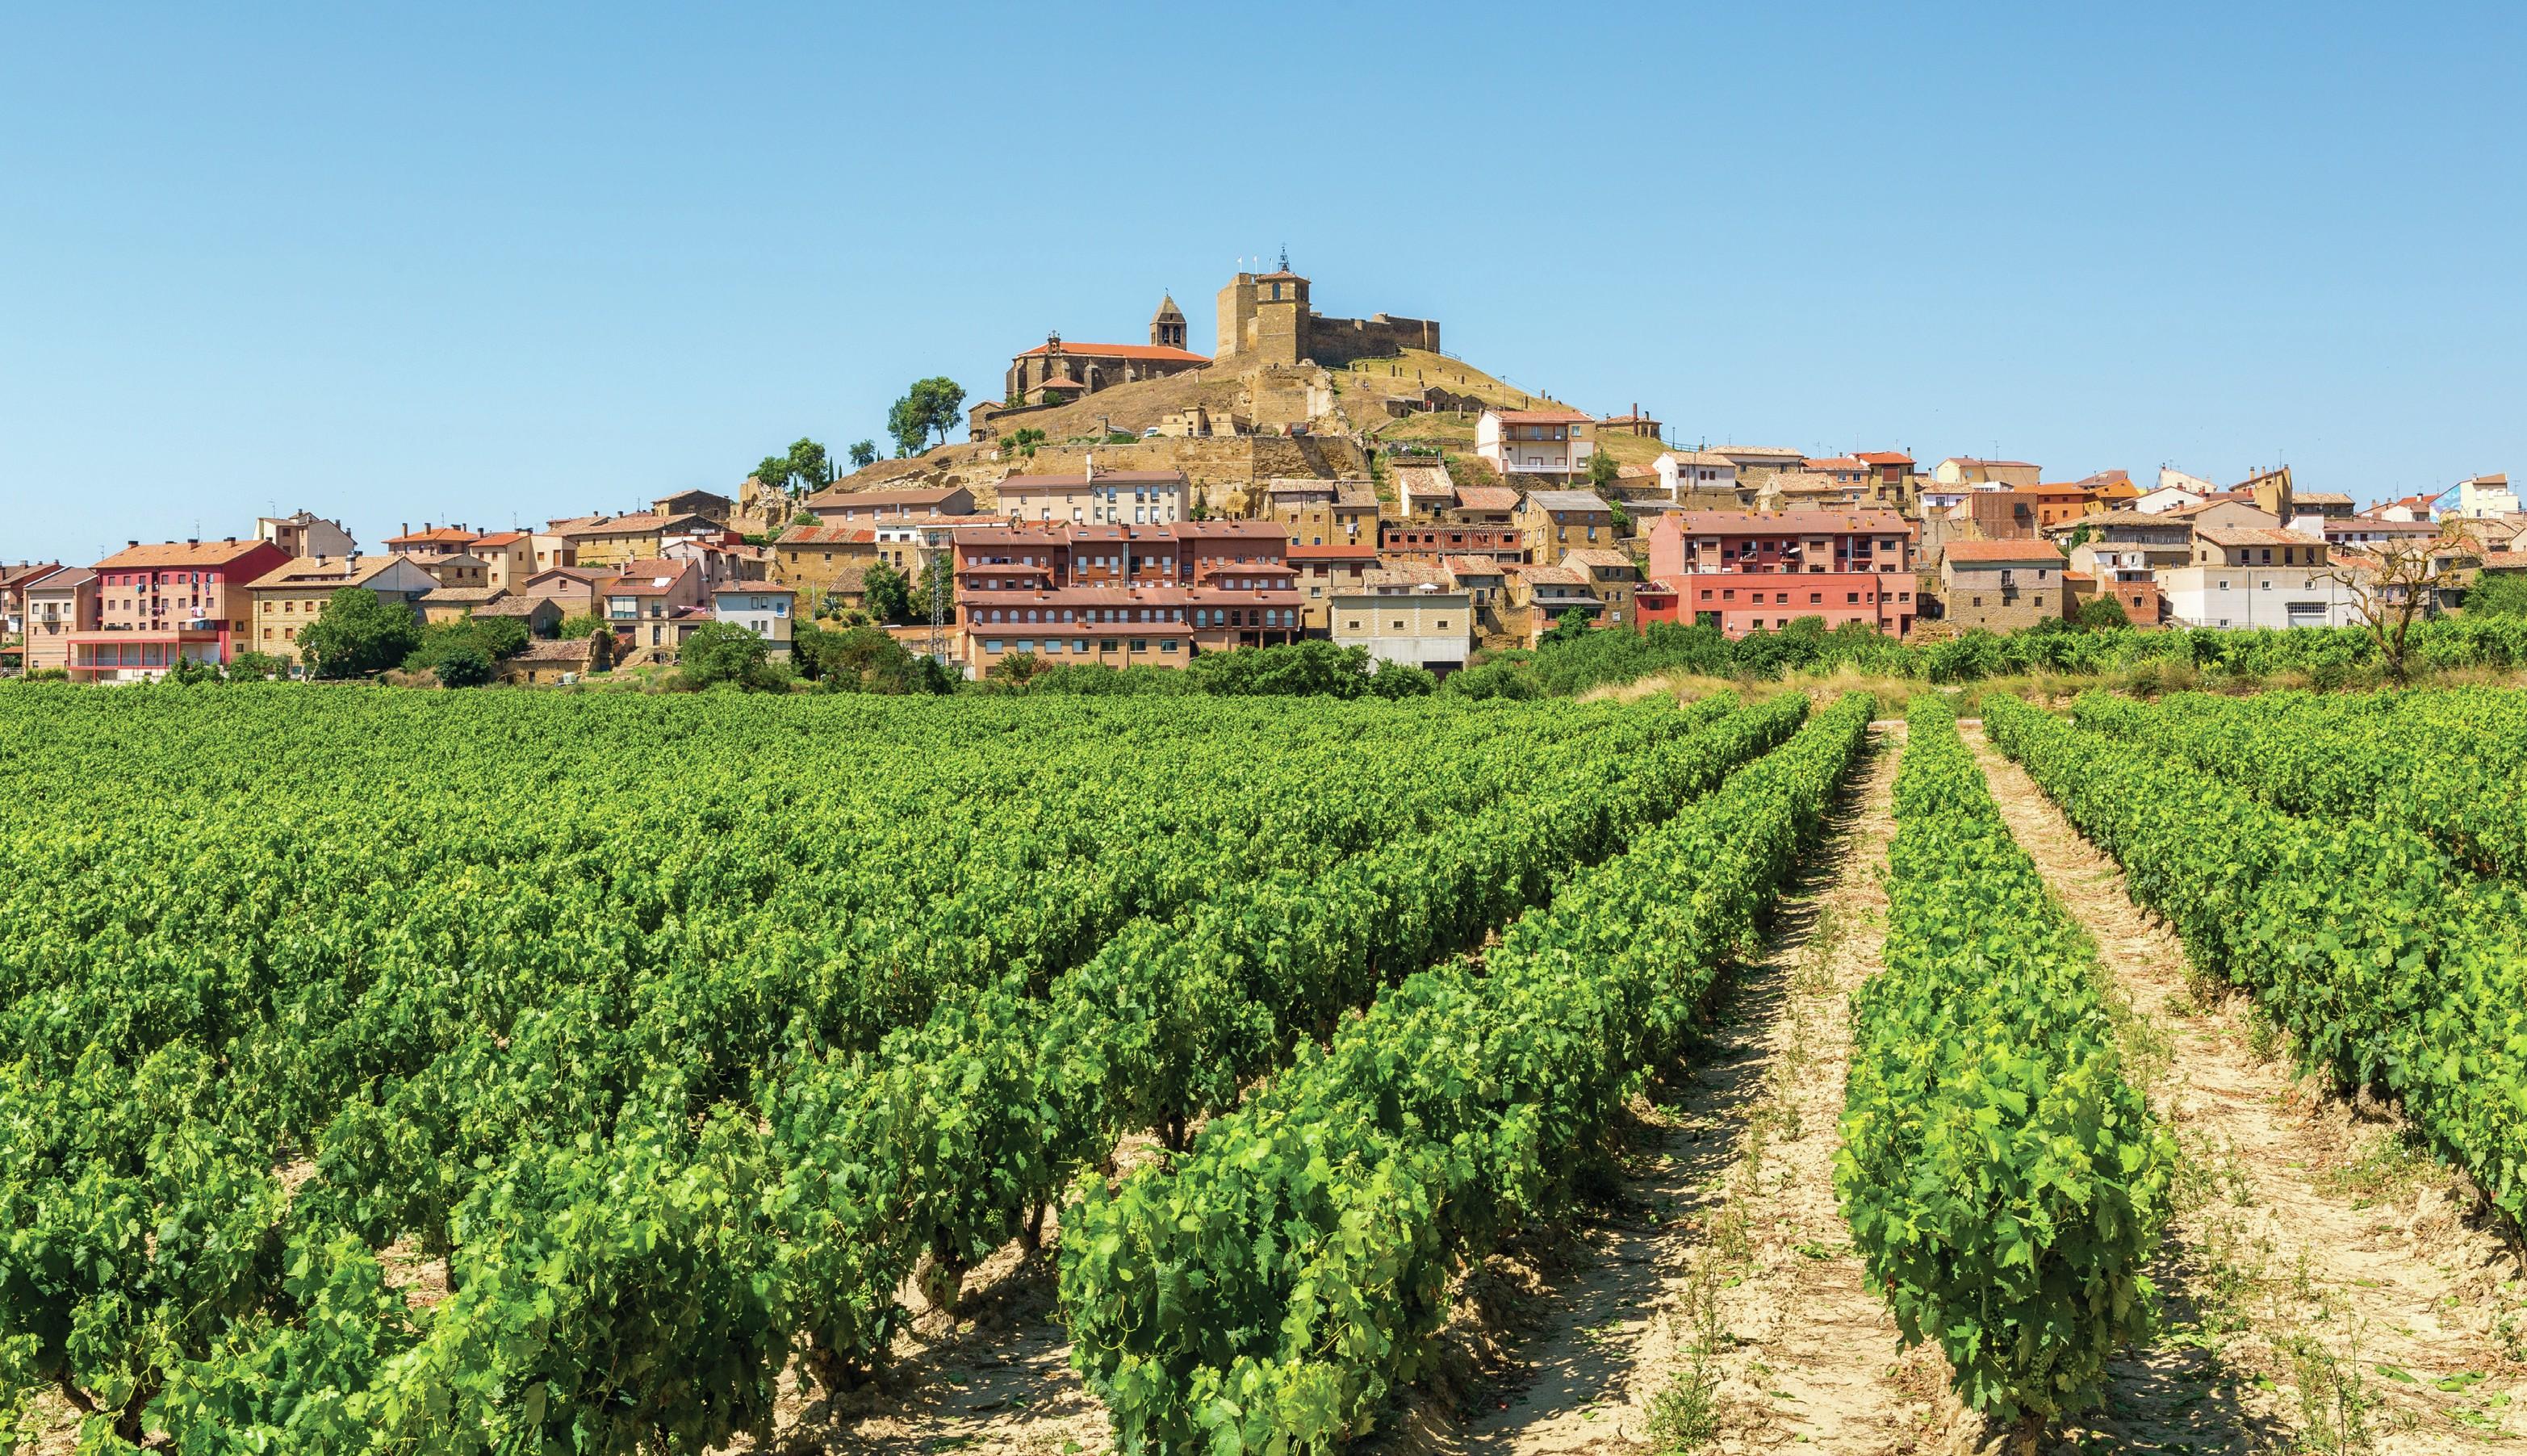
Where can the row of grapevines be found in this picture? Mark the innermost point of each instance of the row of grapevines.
(2004, 1185)
(573, 958)
(2389, 962)
(2442, 762)
(945, 1138)
(1266, 1293)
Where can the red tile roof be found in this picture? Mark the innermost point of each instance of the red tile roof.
(2003, 552)
(1338, 552)
(1787, 523)
(1111, 477)
(1541, 416)
(183, 554)
(1884, 457)
(444, 536)
(1149, 352)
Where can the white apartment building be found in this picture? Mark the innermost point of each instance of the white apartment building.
(2255, 576)
(2485, 496)
(1535, 441)
(1098, 498)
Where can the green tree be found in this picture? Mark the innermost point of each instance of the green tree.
(2498, 594)
(356, 633)
(803, 468)
(1023, 441)
(930, 405)
(1602, 470)
(463, 665)
(1403, 680)
(889, 597)
(864, 454)
(1568, 627)
(2102, 613)
(865, 660)
(724, 652)
(1015, 670)
(582, 627)
(256, 668)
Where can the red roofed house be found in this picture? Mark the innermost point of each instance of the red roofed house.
(1740, 572)
(1426, 542)
(836, 506)
(1053, 369)
(1549, 441)
(1121, 594)
(430, 542)
(509, 556)
(1891, 475)
(642, 602)
(170, 603)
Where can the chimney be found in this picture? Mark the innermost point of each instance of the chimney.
(404, 530)
(192, 540)
(132, 543)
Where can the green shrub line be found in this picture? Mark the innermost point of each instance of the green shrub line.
(1269, 1290)
(2004, 1185)
(2365, 757)
(2391, 964)
(2329, 656)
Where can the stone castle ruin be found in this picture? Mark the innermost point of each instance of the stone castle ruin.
(1265, 319)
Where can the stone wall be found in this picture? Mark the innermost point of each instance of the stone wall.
(1212, 467)
(1333, 342)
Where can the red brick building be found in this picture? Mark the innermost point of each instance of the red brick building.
(1740, 572)
(173, 601)
(1123, 595)
(1429, 542)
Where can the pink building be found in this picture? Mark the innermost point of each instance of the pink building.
(1740, 572)
(163, 603)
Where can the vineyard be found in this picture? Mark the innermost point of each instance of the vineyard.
(399, 1072)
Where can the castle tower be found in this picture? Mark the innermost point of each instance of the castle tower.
(1167, 325)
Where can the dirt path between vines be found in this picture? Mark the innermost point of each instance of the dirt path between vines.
(1721, 1290)
(2326, 1288)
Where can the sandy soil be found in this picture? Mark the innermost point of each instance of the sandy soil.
(2327, 1285)
(1719, 1288)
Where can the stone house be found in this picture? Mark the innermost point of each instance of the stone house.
(1556, 521)
(2004, 586)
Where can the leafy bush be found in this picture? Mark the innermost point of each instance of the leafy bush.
(1266, 1292)
(358, 633)
(724, 652)
(2391, 964)
(463, 665)
(2005, 1186)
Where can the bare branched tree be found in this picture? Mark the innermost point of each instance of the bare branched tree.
(2394, 584)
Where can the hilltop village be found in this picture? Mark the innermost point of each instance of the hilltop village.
(1319, 476)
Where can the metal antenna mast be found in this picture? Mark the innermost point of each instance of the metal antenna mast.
(937, 613)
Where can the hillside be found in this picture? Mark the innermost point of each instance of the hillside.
(1417, 397)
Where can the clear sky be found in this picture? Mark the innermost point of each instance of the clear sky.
(499, 262)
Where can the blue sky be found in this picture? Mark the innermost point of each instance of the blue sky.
(503, 262)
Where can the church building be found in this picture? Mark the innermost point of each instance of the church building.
(1056, 372)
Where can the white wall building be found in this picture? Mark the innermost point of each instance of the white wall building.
(1694, 470)
(2252, 576)
(1535, 441)
(761, 608)
(1106, 497)
(2486, 496)
(1407, 614)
